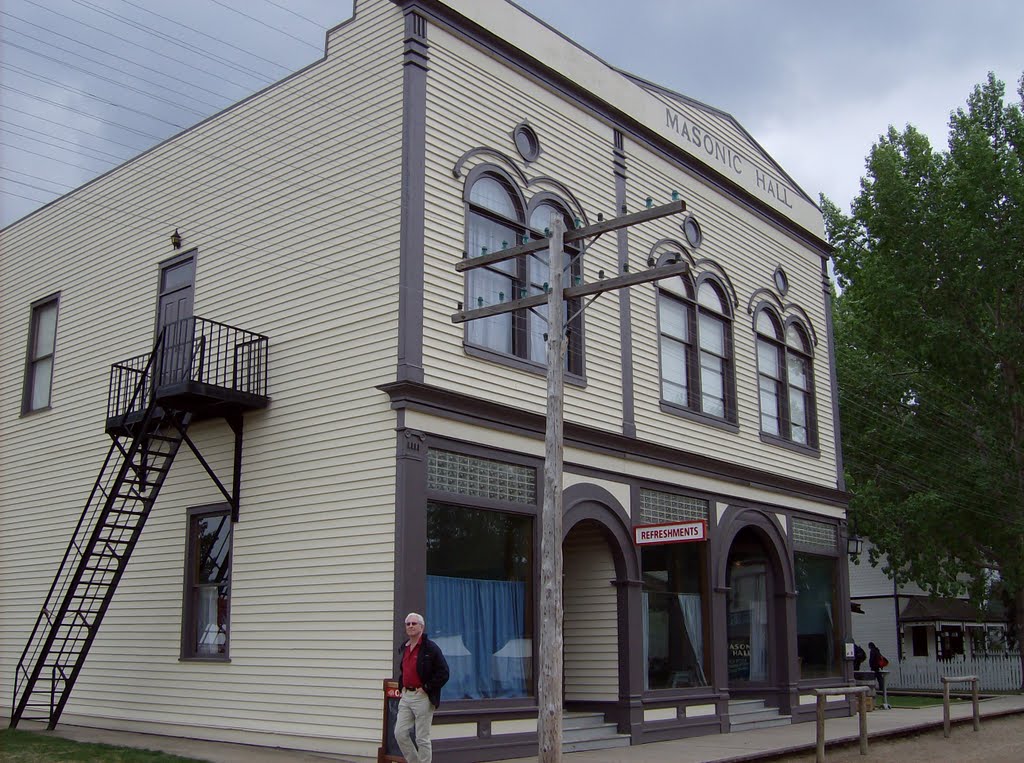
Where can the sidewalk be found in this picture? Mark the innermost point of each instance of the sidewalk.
(715, 748)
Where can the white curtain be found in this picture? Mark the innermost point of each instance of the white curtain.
(689, 603)
(758, 629)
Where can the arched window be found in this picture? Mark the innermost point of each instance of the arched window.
(496, 219)
(696, 347)
(494, 222)
(798, 374)
(784, 379)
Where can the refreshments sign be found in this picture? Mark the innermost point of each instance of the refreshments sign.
(674, 532)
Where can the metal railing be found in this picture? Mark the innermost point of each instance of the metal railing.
(193, 350)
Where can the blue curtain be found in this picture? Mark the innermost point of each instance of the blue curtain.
(472, 620)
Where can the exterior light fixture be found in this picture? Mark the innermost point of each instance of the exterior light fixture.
(176, 239)
(854, 545)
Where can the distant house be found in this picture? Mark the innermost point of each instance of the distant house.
(920, 634)
(241, 352)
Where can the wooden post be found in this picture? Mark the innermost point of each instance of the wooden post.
(945, 707)
(819, 731)
(821, 694)
(862, 707)
(549, 684)
(974, 701)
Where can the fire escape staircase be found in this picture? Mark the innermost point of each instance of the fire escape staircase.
(198, 369)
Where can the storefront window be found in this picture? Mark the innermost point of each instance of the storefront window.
(480, 599)
(817, 641)
(674, 615)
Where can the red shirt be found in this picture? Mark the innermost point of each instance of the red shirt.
(410, 678)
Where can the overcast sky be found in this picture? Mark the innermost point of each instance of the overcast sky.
(86, 84)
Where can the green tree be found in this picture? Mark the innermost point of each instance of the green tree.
(930, 349)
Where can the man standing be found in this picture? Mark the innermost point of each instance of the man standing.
(422, 672)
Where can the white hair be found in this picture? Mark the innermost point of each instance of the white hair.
(417, 617)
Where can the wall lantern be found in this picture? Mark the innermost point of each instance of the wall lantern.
(176, 239)
(854, 545)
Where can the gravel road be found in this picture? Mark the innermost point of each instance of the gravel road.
(1001, 740)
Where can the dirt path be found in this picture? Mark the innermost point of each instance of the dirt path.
(1001, 740)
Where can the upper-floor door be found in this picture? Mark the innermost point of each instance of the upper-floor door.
(175, 301)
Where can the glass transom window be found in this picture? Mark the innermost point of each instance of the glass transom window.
(657, 507)
(480, 477)
(807, 532)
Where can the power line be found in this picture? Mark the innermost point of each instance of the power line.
(115, 56)
(258, 21)
(295, 13)
(102, 77)
(181, 24)
(149, 52)
(86, 94)
(76, 150)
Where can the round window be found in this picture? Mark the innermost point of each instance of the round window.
(692, 232)
(781, 281)
(527, 143)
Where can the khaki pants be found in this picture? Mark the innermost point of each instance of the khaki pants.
(414, 710)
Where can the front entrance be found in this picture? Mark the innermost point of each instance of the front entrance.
(748, 626)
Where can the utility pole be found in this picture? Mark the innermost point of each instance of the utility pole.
(549, 683)
(549, 650)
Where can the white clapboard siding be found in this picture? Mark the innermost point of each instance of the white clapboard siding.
(289, 198)
(589, 620)
(748, 251)
(474, 101)
(877, 624)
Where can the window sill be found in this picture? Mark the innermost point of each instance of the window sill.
(522, 364)
(796, 447)
(27, 412)
(203, 659)
(701, 418)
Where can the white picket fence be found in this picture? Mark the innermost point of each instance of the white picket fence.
(1000, 672)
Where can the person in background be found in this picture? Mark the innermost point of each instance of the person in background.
(858, 656)
(423, 670)
(877, 662)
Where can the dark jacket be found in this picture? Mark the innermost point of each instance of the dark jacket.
(431, 666)
(874, 657)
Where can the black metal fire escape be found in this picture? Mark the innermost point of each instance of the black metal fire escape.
(198, 369)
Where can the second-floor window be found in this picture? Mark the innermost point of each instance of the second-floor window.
(696, 348)
(785, 380)
(498, 217)
(42, 343)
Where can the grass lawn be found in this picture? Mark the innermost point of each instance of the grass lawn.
(916, 700)
(30, 747)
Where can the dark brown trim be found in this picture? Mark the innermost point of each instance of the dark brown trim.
(780, 690)
(415, 60)
(461, 407)
(833, 379)
(410, 526)
(625, 302)
(796, 447)
(701, 418)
